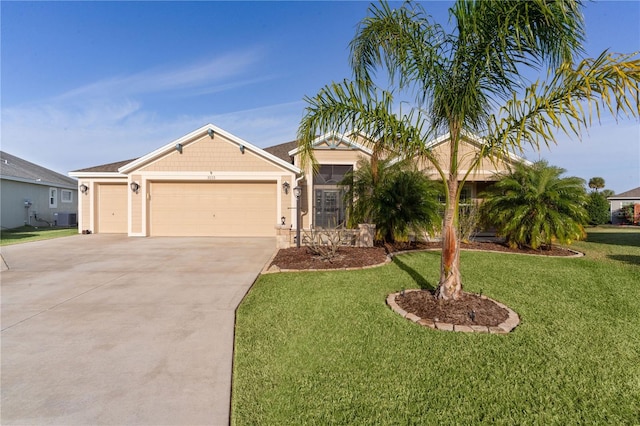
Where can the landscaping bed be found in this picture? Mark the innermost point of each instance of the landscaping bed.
(356, 257)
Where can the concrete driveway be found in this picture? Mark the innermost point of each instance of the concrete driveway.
(106, 329)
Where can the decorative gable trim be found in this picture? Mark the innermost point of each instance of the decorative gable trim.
(196, 134)
(333, 141)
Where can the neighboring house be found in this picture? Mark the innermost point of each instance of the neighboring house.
(34, 195)
(619, 201)
(212, 183)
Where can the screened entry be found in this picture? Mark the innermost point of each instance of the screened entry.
(328, 202)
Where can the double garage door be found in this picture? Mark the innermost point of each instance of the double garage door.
(212, 209)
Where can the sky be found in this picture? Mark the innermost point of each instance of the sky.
(90, 83)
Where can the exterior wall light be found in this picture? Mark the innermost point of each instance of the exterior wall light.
(242, 149)
(285, 187)
(178, 147)
(210, 132)
(283, 220)
(134, 187)
(84, 188)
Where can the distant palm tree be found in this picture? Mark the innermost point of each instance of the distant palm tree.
(534, 205)
(596, 183)
(396, 197)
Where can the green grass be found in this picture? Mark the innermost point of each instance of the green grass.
(323, 348)
(26, 234)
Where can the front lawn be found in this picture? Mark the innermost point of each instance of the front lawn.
(27, 234)
(323, 348)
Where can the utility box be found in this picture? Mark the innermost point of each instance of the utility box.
(67, 219)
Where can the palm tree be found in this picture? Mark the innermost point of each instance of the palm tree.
(470, 80)
(596, 183)
(534, 205)
(396, 197)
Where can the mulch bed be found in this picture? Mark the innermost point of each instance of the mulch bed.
(348, 257)
(470, 309)
(354, 257)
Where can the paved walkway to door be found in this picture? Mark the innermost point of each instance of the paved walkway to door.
(106, 329)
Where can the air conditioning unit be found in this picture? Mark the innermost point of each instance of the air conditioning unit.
(67, 219)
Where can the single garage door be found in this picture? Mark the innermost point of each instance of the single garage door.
(226, 209)
(112, 209)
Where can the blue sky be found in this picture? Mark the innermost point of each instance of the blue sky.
(88, 83)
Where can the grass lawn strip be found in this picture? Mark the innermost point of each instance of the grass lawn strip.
(319, 348)
(27, 234)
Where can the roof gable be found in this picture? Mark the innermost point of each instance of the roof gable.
(203, 133)
(15, 168)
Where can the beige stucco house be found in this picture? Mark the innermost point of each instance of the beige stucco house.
(212, 183)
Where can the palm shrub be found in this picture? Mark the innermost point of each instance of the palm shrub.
(534, 205)
(397, 198)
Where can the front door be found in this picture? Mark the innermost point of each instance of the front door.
(329, 208)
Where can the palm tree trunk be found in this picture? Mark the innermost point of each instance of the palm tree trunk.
(450, 285)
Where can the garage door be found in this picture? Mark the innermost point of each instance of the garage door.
(112, 209)
(226, 209)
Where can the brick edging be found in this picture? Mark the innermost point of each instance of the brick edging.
(507, 326)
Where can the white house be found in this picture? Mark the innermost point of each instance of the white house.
(619, 201)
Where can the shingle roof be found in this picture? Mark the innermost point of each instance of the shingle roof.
(17, 168)
(632, 193)
(106, 168)
(282, 150)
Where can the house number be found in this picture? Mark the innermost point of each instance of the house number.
(211, 178)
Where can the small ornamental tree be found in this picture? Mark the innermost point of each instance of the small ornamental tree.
(597, 209)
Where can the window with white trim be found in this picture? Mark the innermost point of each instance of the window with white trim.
(53, 198)
(66, 196)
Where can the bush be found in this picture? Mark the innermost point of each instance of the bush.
(534, 206)
(397, 198)
(597, 208)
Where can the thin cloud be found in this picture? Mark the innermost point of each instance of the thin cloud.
(206, 75)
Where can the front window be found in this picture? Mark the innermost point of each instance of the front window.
(328, 198)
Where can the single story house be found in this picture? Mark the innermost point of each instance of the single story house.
(34, 195)
(619, 201)
(212, 183)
